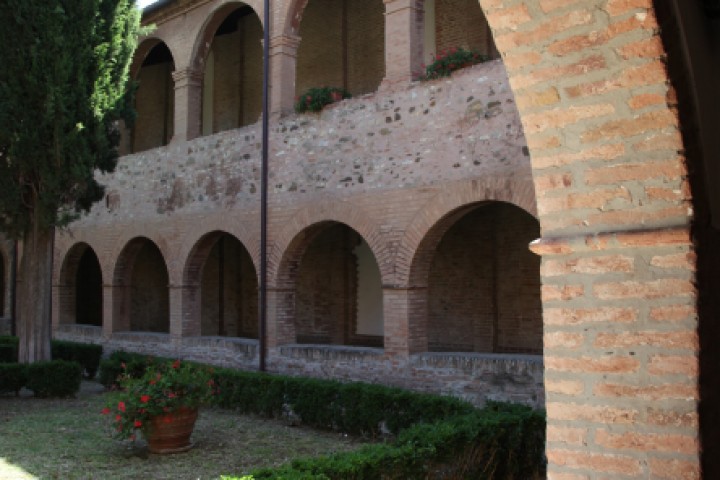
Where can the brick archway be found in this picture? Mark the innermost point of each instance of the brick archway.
(436, 216)
(126, 270)
(142, 52)
(80, 260)
(283, 293)
(593, 94)
(203, 42)
(192, 280)
(283, 241)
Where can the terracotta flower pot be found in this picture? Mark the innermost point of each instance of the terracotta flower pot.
(171, 433)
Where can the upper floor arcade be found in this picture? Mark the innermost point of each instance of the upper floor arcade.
(199, 71)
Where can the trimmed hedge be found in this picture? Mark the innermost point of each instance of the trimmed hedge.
(86, 354)
(8, 349)
(353, 408)
(436, 436)
(499, 442)
(57, 378)
(13, 377)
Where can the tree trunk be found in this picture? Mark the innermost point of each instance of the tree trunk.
(34, 295)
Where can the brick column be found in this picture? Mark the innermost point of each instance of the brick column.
(108, 311)
(191, 313)
(404, 37)
(405, 313)
(175, 294)
(283, 60)
(116, 300)
(280, 316)
(621, 354)
(188, 104)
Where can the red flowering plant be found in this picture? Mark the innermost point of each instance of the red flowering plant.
(447, 61)
(315, 99)
(161, 390)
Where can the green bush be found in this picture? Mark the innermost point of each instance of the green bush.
(135, 365)
(88, 355)
(353, 408)
(315, 99)
(57, 378)
(8, 349)
(13, 377)
(448, 61)
(436, 436)
(498, 442)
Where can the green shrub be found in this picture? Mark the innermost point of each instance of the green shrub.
(57, 378)
(86, 354)
(13, 377)
(493, 443)
(315, 99)
(448, 61)
(8, 349)
(135, 365)
(353, 408)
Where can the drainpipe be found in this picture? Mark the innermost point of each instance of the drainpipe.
(264, 185)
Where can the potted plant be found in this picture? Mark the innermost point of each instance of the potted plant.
(162, 404)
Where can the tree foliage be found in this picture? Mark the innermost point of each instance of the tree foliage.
(63, 87)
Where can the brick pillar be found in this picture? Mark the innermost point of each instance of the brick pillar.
(405, 314)
(283, 60)
(280, 316)
(191, 310)
(404, 37)
(621, 354)
(117, 300)
(108, 311)
(175, 294)
(188, 104)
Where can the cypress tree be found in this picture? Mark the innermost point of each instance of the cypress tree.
(63, 89)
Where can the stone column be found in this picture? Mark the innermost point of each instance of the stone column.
(283, 60)
(188, 104)
(404, 36)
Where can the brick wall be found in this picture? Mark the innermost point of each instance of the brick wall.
(342, 46)
(149, 302)
(461, 24)
(154, 104)
(237, 79)
(326, 295)
(484, 284)
(240, 291)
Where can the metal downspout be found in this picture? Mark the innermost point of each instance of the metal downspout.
(264, 186)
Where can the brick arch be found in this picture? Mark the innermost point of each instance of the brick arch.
(204, 39)
(287, 243)
(192, 278)
(285, 282)
(198, 255)
(142, 52)
(293, 16)
(122, 277)
(594, 97)
(117, 256)
(440, 213)
(67, 281)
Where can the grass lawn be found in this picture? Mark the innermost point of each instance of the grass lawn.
(70, 439)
